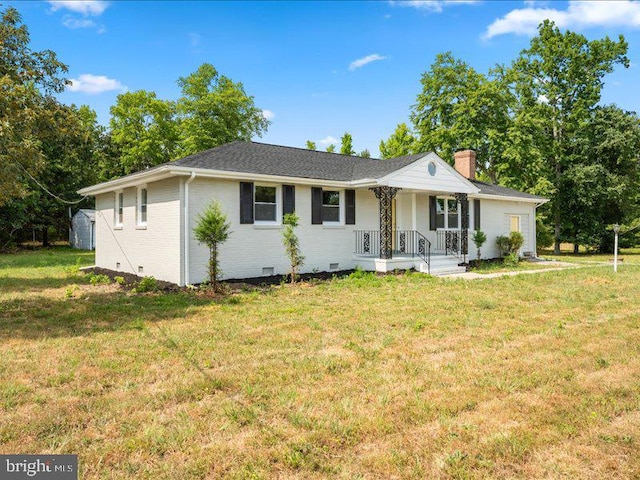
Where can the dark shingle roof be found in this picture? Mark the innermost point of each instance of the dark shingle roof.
(490, 189)
(261, 158)
(266, 159)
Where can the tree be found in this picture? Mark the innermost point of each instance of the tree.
(311, 145)
(212, 230)
(461, 108)
(331, 148)
(346, 144)
(603, 178)
(365, 153)
(479, 237)
(558, 81)
(401, 142)
(144, 129)
(215, 110)
(26, 78)
(70, 161)
(292, 244)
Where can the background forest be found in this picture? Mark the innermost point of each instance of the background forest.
(537, 125)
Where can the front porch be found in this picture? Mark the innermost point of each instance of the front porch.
(410, 250)
(439, 264)
(390, 248)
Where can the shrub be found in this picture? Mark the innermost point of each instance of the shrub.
(99, 279)
(147, 284)
(211, 230)
(516, 240)
(292, 244)
(479, 237)
(511, 260)
(119, 280)
(511, 244)
(503, 245)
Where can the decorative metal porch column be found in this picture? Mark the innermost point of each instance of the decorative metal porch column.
(464, 232)
(385, 196)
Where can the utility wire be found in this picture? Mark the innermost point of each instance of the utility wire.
(47, 190)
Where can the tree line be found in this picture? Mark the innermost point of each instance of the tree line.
(537, 125)
(49, 150)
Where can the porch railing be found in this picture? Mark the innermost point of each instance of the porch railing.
(449, 241)
(405, 242)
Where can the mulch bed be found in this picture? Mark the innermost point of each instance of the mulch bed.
(234, 285)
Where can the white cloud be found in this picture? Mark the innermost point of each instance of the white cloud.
(93, 8)
(525, 21)
(82, 10)
(268, 114)
(434, 6)
(95, 84)
(329, 140)
(361, 62)
(73, 23)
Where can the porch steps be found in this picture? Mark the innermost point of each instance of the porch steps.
(441, 266)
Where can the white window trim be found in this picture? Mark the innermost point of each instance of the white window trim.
(117, 223)
(278, 220)
(341, 209)
(139, 223)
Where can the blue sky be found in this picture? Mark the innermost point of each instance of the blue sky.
(317, 69)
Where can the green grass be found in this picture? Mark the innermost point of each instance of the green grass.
(497, 266)
(408, 376)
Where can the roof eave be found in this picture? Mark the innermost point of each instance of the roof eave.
(133, 180)
(489, 196)
(258, 177)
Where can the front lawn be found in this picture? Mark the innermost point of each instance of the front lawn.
(407, 376)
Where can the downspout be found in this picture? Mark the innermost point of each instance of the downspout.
(535, 226)
(186, 227)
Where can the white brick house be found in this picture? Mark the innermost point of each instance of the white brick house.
(380, 215)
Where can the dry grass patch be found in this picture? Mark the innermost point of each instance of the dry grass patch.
(369, 377)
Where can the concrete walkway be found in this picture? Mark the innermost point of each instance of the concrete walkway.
(561, 266)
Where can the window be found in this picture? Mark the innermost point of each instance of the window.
(142, 206)
(265, 204)
(447, 213)
(440, 212)
(119, 210)
(453, 213)
(330, 206)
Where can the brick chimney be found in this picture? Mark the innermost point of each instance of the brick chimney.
(466, 163)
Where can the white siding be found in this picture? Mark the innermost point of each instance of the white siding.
(494, 219)
(250, 248)
(416, 176)
(155, 248)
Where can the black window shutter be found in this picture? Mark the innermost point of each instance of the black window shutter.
(476, 214)
(246, 202)
(288, 199)
(432, 213)
(350, 211)
(465, 220)
(316, 206)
